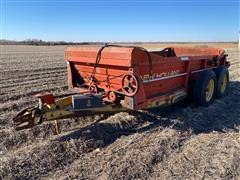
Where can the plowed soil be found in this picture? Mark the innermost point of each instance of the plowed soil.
(176, 142)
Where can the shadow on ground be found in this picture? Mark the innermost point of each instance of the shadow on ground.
(222, 116)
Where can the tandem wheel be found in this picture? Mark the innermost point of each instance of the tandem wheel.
(204, 90)
(222, 81)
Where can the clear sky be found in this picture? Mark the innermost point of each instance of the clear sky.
(120, 20)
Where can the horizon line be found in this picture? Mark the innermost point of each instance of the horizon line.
(37, 40)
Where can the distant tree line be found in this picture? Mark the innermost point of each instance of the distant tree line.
(36, 42)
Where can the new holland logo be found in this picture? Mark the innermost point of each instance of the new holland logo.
(160, 75)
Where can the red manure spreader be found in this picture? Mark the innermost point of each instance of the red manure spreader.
(117, 78)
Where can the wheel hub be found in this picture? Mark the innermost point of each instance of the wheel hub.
(209, 90)
(224, 84)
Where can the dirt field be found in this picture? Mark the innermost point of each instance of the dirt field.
(178, 142)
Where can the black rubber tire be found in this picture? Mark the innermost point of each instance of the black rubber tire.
(220, 72)
(199, 95)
